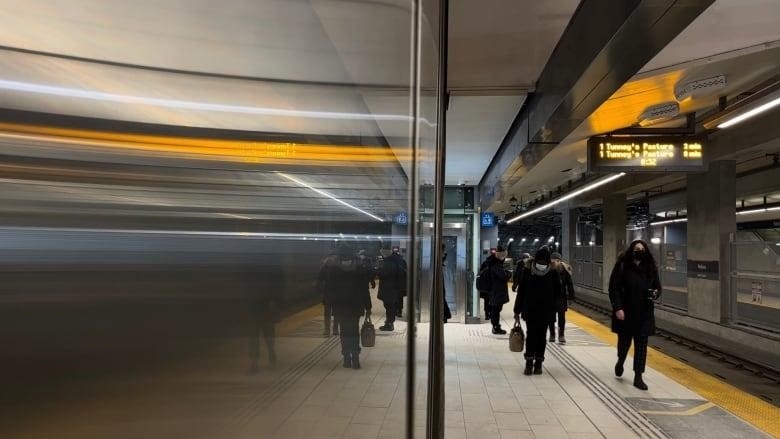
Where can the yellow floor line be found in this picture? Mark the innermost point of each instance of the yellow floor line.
(760, 413)
(690, 412)
(290, 324)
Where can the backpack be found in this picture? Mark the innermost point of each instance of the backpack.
(484, 279)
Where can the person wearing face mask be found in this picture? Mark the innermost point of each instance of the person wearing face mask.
(633, 286)
(538, 291)
(392, 287)
(499, 288)
(346, 279)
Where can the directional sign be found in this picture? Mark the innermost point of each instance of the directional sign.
(646, 153)
(488, 219)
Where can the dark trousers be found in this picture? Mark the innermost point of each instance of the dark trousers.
(327, 314)
(268, 329)
(350, 333)
(400, 307)
(561, 323)
(487, 308)
(391, 310)
(640, 350)
(495, 314)
(535, 343)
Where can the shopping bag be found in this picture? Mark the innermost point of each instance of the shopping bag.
(367, 333)
(516, 337)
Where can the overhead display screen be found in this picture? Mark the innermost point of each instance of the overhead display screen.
(646, 153)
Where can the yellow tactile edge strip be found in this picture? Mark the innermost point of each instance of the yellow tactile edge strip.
(751, 409)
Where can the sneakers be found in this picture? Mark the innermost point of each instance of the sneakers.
(386, 327)
(562, 339)
(619, 369)
(638, 383)
(498, 331)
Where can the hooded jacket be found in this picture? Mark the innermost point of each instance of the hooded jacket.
(538, 291)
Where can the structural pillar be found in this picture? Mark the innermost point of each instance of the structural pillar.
(614, 233)
(711, 221)
(568, 233)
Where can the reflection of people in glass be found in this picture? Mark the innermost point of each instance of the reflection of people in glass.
(447, 313)
(392, 286)
(562, 306)
(263, 320)
(499, 288)
(345, 279)
(327, 306)
(633, 285)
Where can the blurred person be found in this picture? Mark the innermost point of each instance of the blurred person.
(392, 286)
(537, 294)
(447, 313)
(564, 270)
(484, 282)
(345, 277)
(522, 263)
(264, 316)
(633, 286)
(499, 288)
(329, 318)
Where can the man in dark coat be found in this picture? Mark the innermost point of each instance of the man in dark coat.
(564, 270)
(392, 286)
(633, 286)
(537, 295)
(499, 288)
(346, 279)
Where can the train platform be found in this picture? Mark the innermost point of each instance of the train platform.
(487, 395)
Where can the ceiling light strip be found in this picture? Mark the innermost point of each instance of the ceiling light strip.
(53, 90)
(568, 196)
(325, 194)
(747, 115)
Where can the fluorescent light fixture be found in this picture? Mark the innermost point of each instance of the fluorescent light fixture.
(699, 87)
(536, 239)
(761, 210)
(659, 113)
(568, 196)
(591, 243)
(676, 220)
(53, 90)
(741, 116)
(522, 240)
(579, 243)
(655, 240)
(511, 239)
(325, 194)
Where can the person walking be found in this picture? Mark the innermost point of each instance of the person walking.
(633, 286)
(499, 289)
(537, 293)
(392, 286)
(329, 319)
(564, 270)
(346, 279)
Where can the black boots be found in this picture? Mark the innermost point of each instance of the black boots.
(352, 360)
(386, 327)
(529, 365)
(638, 383)
(538, 367)
(619, 368)
(498, 331)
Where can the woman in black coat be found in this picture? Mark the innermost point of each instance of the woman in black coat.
(347, 279)
(538, 291)
(633, 286)
(499, 288)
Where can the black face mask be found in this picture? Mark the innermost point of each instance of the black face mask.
(640, 255)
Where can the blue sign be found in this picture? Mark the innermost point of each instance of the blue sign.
(402, 219)
(488, 219)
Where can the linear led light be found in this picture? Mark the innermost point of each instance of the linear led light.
(325, 194)
(762, 210)
(742, 116)
(568, 196)
(53, 90)
(676, 220)
(699, 87)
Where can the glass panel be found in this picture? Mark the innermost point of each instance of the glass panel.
(197, 264)
(755, 283)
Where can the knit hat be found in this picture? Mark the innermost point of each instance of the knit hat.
(542, 255)
(556, 255)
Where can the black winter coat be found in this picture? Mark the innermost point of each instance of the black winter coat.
(628, 290)
(345, 284)
(567, 288)
(392, 279)
(499, 277)
(538, 294)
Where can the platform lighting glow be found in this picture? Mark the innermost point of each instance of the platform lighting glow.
(579, 243)
(522, 240)
(655, 240)
(762, 210)
(511, 239)
(53, 90)
(568, 196)
(747, 115)
(592, 243)
(676, 220)
(325, 194)
(536, 240)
